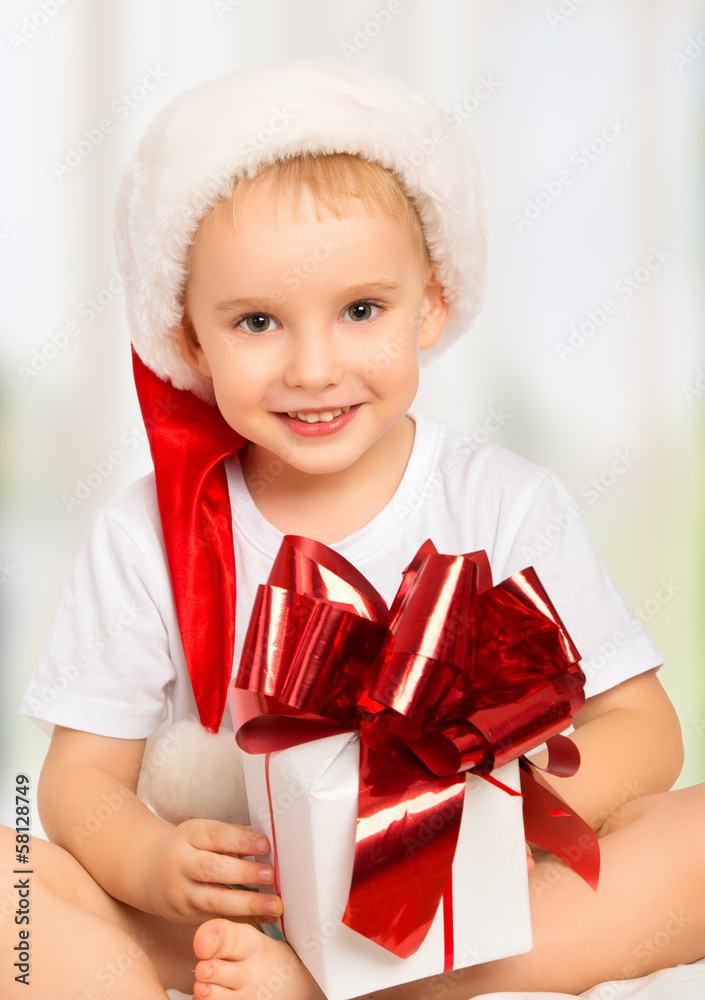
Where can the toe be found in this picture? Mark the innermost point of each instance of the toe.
(229, 975)
(208, 991)
(225, 939)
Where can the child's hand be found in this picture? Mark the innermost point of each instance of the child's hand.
(195, 862)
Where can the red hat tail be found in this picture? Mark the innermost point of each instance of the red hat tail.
(189, 441)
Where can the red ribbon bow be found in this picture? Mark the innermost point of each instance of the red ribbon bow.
(457, 676)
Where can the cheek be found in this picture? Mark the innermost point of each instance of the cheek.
(239, 375)
(392, 366)
(390, 358)
(233, 395)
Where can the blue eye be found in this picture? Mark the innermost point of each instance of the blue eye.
(361, 311)
(256, 323)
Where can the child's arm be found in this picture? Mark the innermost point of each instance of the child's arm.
(630, 745)
(88, 806)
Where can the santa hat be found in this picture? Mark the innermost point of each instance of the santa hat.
(225, 130)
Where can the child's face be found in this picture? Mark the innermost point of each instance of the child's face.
(297, 321)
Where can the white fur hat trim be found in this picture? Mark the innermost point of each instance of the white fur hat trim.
(230, 127)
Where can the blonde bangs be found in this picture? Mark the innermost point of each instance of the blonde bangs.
(340, 183)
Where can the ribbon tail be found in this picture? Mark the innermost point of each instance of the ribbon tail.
(552, 824)
(407, 831)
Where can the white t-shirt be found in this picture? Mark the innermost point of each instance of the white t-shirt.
(113, 662)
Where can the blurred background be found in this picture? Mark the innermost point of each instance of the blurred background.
(589, 357)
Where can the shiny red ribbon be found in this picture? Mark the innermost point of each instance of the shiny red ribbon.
(457, 676)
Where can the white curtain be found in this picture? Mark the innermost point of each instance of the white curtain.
(589, 357)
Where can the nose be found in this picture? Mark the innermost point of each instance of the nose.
(315, 361)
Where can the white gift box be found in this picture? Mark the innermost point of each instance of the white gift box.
(305, 800)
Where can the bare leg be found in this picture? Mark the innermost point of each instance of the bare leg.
(75, 953)
(84, 943)
(648, 914)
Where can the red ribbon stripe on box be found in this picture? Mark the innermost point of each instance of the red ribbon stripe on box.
(457, 676)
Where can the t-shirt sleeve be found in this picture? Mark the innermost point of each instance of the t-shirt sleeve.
(106, 666)
(553, 538)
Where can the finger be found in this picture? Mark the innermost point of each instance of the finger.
(530, 863)
(220, 901)
(204, 866)
(225, 838)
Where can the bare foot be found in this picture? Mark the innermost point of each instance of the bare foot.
(239, 962)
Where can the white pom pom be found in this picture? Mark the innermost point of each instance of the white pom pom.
(189, 773)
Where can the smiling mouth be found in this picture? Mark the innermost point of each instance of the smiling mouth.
(321, 416)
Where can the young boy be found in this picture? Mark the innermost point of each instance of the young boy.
(292, 241)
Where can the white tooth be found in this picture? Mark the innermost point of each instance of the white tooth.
(324, 415)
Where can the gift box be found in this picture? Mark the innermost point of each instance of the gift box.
(384, 758)
(305, 800)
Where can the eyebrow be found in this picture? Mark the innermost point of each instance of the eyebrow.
(269, 302)
(262, 302)
(371, 288)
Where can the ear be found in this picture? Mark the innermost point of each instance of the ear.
(191, 350)
(435, 313)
